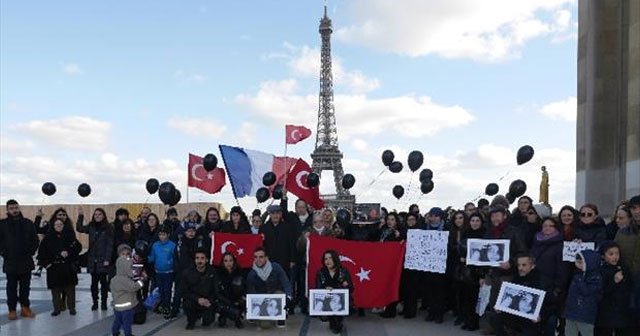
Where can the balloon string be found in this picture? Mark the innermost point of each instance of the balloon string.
(373, 182)
(500, 179)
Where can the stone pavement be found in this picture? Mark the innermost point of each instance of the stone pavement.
(98, 323)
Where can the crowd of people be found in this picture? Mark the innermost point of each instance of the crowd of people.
(597, 294)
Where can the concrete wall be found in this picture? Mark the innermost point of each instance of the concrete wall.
(608, 127)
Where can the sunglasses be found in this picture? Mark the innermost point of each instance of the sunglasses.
(586, 214)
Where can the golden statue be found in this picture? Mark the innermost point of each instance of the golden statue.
(544, 186)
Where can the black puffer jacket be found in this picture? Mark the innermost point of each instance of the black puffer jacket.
(595, 232)
(61, 272)
(195, 285)
(614, 309)
(100, 245)
(232, 287)
(18, 244)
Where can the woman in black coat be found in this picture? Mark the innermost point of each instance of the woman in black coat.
(411, 282)
(591, 227)
(124, 234)
(233, 289)
(238, 223)
(547, 249)
(99, 264)
(391, 231)
(333, 276)
(58, 254)
(458, 225)
(470, 275)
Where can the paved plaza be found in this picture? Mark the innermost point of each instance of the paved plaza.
(98, 323)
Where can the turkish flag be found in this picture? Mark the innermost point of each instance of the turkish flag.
(296, 134)
(297, 185)
(210, 182)
(375, 268)
(241, 245)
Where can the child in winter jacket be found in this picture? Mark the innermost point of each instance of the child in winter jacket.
(124, 289)
(614, 315)
(584, 295)
(161, 256)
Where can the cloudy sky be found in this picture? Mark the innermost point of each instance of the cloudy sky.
(112, 94)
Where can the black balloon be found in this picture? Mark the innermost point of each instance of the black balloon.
(517, 188)
(176, 198)
(426, 186)
(510, 198)
(166, 191)
(426, 175)
(152, 186)
(348, 181)
(398, 191)
(278, 192)
(313, 180)
(395, 167)
(387, 157)
(262, 194)
(209, 162)
(84, 190)
(491, 189)
(48, 188)
(343, 217)
(269, 178)
(525, 153)
(415, 160)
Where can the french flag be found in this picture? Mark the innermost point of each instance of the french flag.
(246, 167)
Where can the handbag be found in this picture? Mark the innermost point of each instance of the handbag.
(153, 300)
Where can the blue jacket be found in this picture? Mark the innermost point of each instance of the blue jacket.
(277, 281)
(162, 256)
(585, 291)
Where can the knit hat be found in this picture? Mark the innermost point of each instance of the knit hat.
(122, 248)
(435, 211)
(274, 208)
(189, 226)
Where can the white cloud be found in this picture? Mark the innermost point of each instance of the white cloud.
(488, 30)
(562, 110)
(82, 133)
(460, 177)
(188, 77)
(72, 69)
(197, 127)
(13, 145)
(360, 144)
(410, 116)
(247, 133)
(305, 62)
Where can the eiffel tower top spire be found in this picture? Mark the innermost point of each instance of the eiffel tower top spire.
(327, 155)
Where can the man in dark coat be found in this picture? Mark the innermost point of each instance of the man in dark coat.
(301, 219)
(199, 290)
(279, 239)
(18, 244)
(528, 276)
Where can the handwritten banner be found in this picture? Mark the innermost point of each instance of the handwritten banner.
(570, 249)
(426, 251)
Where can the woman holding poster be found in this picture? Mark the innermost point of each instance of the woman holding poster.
(333, 276)
(470, 275)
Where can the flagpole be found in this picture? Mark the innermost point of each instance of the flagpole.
(286, 161)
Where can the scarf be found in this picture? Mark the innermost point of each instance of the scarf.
(303, 219)
(497, 231)
(437, 226)
(264, 271)
(542, 237)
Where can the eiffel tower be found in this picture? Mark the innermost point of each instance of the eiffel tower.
(327, 155)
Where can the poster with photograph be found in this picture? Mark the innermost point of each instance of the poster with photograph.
(266, 307)
(328, 302)
(570, 249)
(520, 300)
(426, 250)
(487, 252)
(366, 213)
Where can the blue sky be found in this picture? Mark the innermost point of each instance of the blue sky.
(114, 93)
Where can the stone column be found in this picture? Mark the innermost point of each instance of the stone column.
(608, 127)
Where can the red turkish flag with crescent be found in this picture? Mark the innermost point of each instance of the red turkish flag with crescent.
(296, 134)
(297, 185)
(375, 268)
(210, 182)
(240, 244)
